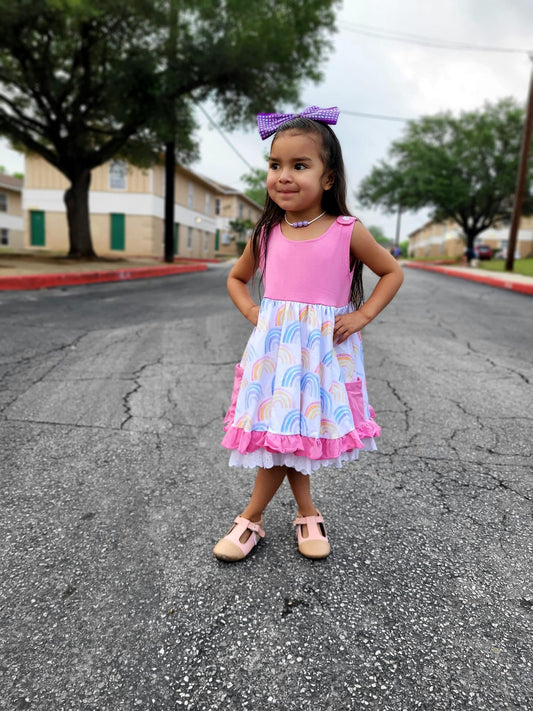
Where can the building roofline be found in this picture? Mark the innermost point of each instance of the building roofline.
(228, 190)
(10, 182)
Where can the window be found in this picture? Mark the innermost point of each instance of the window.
(241, 210)
(3, 202)
(189, 237)
(206, 241)
(217, 206)
(207, 204)
(190, 199)
(4, 237)
(117, 175)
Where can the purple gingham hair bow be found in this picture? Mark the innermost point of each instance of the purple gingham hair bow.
(269, 123)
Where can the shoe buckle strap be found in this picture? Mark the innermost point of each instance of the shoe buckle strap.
(256, 528)
(307, 520)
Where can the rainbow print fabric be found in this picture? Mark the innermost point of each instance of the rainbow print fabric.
(295, 393)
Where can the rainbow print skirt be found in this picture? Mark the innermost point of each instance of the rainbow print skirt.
(299, 400)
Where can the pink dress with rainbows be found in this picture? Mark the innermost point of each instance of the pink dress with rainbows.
(298, 399)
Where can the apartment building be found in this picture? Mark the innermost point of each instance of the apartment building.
(233, 207)
(11, 219)
(126, 206)
(444, 239)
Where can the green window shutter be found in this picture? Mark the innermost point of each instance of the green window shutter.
(37, 231)
(118, 232)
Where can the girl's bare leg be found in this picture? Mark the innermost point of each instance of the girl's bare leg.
(267, 482)
(301, 488)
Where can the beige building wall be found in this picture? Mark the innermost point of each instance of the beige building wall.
(40, 174)
(444, 240)
(14, 201)
(195, 243)
(140, 198)
(138, 180)
(234, 206)
(11, 218)
(158, 185)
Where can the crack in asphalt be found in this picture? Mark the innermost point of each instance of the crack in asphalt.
(488, 360)
(407, 409)
(38, 357)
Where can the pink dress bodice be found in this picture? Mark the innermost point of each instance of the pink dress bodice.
(313, 271)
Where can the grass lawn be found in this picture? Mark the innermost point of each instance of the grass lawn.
(521, 266)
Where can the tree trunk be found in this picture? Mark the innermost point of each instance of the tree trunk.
(79, 227)
(470, 237)
(170, 171)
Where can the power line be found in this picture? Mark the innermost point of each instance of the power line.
(375, 116)
(230, 144)
(436, 43)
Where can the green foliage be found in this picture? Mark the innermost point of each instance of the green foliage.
(256, 182)
(241, 227)
(379, 235)
(463, 168)
(3, 171)
(251, 55)
(77, 78)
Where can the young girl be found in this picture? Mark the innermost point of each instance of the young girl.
(299, 400)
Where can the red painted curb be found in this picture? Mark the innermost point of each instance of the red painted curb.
(44, 281)
(508, 284)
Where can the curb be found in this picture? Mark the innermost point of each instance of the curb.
(509, 284)
(45, 281)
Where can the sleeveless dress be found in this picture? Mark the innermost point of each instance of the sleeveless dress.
(298, 399)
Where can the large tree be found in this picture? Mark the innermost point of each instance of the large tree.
(463, 168)
(82, 81)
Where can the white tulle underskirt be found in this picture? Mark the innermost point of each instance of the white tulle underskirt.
(267, 460)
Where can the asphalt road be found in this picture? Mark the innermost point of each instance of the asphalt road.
(114, 489)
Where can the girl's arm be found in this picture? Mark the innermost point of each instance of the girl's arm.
(238, 278)
(365, 248)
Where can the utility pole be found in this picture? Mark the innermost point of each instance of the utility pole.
(170, 146)
(398, 223)
(522, 175)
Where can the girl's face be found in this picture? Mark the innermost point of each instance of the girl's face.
(297, 176)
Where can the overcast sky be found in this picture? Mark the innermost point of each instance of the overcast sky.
(371, 74)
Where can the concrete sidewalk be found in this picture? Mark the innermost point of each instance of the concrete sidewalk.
(501, 280)
(38, 271)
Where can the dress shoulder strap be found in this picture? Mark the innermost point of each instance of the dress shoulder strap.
(347, 220)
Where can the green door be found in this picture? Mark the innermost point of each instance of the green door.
(118, 233)
(37, 234)
(176, 237)
(217, 240)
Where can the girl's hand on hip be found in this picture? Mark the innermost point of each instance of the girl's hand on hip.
(253, 314)
(347, 324)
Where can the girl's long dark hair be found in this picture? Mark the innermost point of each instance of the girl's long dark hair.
(333, 200)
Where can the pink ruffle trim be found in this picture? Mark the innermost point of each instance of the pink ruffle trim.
(310, 447)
